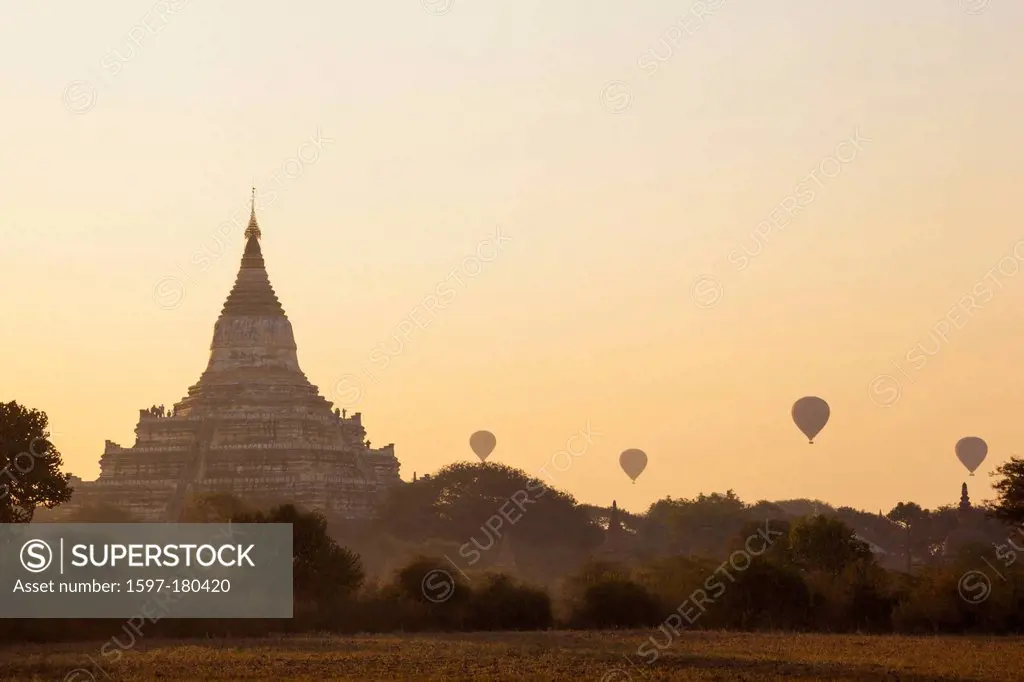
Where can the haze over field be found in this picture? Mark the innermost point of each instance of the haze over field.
(631, 156)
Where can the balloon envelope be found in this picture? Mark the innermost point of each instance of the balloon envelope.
(811, 413)
(971, 452)
(633, 462)
(483, 443)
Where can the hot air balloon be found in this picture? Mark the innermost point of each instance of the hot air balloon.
(971, 452)
(811, 414)
(633, 462)
(483, 443)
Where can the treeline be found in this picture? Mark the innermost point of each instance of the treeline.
(809, 574)
(486, 546)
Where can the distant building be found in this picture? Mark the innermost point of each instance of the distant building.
(617, 542)
(252, 426)
(972, 528)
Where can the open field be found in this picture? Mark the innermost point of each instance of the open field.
(586, 656)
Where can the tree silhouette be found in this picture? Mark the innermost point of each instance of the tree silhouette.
(913, 520)
(479, 505)
(1009, 503)
(322, 571)
(700, 526)
(30, 475)
(825, 544)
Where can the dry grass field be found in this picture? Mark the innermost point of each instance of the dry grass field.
(552, 656)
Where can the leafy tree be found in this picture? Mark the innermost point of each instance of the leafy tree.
(30, 475)
(699, 526)
(503, 604)
(914, 520)
(820, 543)
(805, 507)
(430, 580)
(322, 571)
(1009, 503)
(868, 597)
(437, 593)
(591, 573)
(618, 603)
(769, 538)
(674, 579)
(763, 509)
(478, 505)
(764, 594)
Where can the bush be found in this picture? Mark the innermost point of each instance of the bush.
(617, 603)
(428, 595)
(762, 595)
(502, 604)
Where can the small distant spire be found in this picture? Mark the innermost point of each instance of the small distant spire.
(965, 500)
(254, 228)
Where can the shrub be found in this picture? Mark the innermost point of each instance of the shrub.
(502, 604)
(617, 603)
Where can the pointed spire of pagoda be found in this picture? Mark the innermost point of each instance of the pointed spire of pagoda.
(253, 231)
(613, 537)
(613, 519)
(965, 499)
(252, 293)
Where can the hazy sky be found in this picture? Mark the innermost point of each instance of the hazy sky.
(126, 148)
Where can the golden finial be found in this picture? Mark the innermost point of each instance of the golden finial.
(253, 230)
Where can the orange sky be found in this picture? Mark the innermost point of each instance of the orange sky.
(632, 155)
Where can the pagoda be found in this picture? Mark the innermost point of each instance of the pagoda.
(252, 426)
(616, 539)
